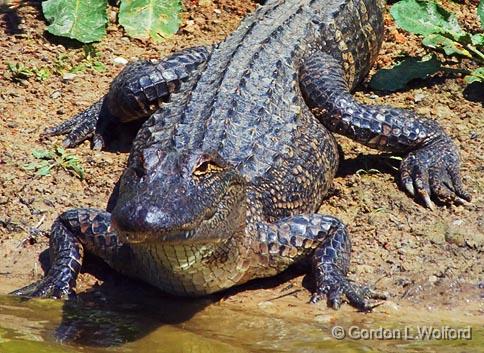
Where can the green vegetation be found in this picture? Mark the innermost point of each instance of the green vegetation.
(57, 157)
(86, 20)
(155, 19)
(19, 71)
(405, 71)
(89, 62)
(441, 32)
(63, 63)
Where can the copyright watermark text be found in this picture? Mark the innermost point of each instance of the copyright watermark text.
(419, 333)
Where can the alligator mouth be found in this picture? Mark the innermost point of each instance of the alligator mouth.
(146, 237)
(203, 228)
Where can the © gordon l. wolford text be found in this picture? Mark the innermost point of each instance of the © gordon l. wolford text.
(402, 333)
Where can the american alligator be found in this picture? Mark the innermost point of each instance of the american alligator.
(230, 165)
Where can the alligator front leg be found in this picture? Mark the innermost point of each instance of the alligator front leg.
(431, 166)
(139, 89)
(73, 232)
(326, 240)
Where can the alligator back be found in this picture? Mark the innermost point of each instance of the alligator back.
(245, 102)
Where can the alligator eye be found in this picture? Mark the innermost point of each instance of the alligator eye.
(207, 167)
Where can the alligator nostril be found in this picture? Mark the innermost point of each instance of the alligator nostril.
(139, 218)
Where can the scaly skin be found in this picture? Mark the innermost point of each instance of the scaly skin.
(230, 166)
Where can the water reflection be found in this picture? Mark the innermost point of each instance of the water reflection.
(125, 317)
(145, 322)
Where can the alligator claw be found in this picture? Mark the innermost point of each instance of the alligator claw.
(46, 288)
(434, 171)
(79, 128)
(98, 142)
(337, 286)
(409, 187)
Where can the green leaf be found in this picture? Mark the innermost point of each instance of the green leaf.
(475, 76)
(42, 74)
(154, 19)
(84, 20)
(480, 13)
(478, 39)
(450, 47)
(19, 70)
(98, 66)
(401, 74)
(426, 17)
(30, 166)
(45, 170)
(78, 68)
(60, 150)
(42, 154)
(76, 169)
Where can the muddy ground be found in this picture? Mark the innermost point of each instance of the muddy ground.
(426, 260)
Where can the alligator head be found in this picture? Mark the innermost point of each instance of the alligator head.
(175, 197)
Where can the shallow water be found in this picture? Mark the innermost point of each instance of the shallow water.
(172, 326)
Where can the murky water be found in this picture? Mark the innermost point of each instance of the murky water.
(176, 326)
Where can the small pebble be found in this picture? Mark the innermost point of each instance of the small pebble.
(69, 76)
(323, 318)
(419, 97)
(56, 94)
(458, 222)
(455, 235)
(120, 60)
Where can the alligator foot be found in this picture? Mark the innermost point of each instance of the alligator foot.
(73, 232)
(335, 285)
(52, 286)
(81, 127)
(433, 170)
(325, 239)
(331, 262)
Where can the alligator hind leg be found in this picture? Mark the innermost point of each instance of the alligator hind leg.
(139, 89)
(431, 166)
(326, 241)
(73, 232)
